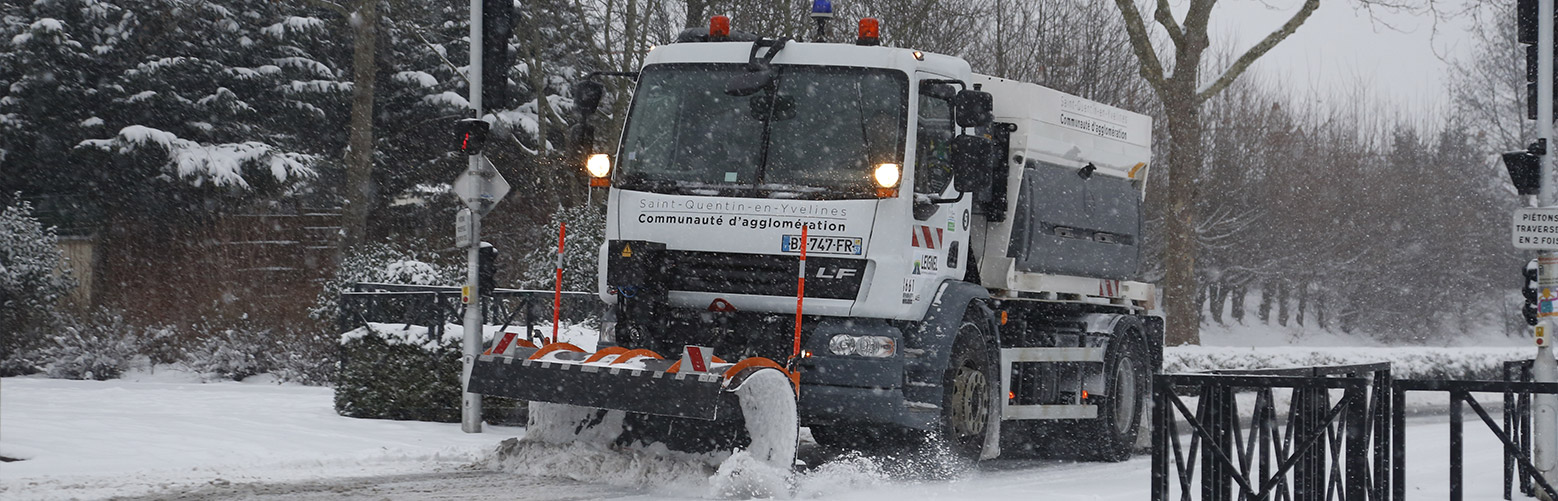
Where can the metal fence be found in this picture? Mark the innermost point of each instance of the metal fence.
(1460, 397)
(434, 307)
(1517, 421)
(1314, 450)
(1350, 449)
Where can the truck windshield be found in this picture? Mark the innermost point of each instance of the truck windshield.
(817, 134)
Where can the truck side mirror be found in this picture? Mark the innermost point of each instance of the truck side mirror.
(970, 161)
(586, 97)
(973, 108)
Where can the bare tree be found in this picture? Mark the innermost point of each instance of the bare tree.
(1182, 95)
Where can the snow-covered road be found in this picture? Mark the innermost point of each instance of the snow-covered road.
(170, 438)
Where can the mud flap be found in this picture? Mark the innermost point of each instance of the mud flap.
(992, 447)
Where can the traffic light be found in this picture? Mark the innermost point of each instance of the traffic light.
(486, 269)
(1530, 291)
(497, 25)
(587, 95)
(1526, 21)
(470, 134)
(1525, 167)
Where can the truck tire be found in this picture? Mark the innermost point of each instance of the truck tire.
(965, 406)
(1119, 417)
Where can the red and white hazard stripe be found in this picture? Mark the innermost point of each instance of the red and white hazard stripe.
(1109, 288)
(925, 236)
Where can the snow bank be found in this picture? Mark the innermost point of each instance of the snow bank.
(1406, 362)
(95, 439)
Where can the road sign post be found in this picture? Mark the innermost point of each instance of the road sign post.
(470, 403)
(1544, 410)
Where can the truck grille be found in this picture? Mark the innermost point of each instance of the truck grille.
(763, 274)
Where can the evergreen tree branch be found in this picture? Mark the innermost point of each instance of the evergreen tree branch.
(331, 6)
(431, 48)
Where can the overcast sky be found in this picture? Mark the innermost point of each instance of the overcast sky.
(1342, 47)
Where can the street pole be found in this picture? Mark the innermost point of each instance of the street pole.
(470, 403)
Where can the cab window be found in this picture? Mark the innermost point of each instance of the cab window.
(932, 155)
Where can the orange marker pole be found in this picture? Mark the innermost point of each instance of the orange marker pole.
(557, 294)
(800, 297)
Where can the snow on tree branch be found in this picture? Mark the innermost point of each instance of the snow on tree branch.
(218, 164)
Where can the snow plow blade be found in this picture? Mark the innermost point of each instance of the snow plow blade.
(646, 391)
(635, 399)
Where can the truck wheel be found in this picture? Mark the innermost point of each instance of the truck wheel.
(1119, 416)
(965, 406)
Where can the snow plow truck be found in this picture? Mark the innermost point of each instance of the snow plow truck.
(872, 242)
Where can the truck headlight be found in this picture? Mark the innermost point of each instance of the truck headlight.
(863, 346)
(887, 175)
(599, 165)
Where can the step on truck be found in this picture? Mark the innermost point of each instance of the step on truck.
(872, 242)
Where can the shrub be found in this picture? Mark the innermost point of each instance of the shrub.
(32, 285)
(407, 375)
(381, 263)
(99, 346)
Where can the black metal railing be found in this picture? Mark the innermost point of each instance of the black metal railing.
(1352, 449)
(434, 307)
(1517, 421)
(1316, 450)
(1460, 397)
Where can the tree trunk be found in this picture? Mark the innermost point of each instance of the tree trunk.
(695, 14)
(1201, 308)
(360, 191)
(1266, 296)
(1179, 253)
(1303, 302)
(1320, 320)
(1219, 302)
(1236, 309)
(1282, 303)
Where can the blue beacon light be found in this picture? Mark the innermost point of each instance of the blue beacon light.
(821, 11)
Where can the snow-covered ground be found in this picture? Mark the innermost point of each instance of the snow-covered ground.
(170, 434)
(162, 437)
(95, 439)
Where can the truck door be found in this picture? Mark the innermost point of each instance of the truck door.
(939, 230)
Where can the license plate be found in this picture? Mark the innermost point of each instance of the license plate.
(850, 246)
